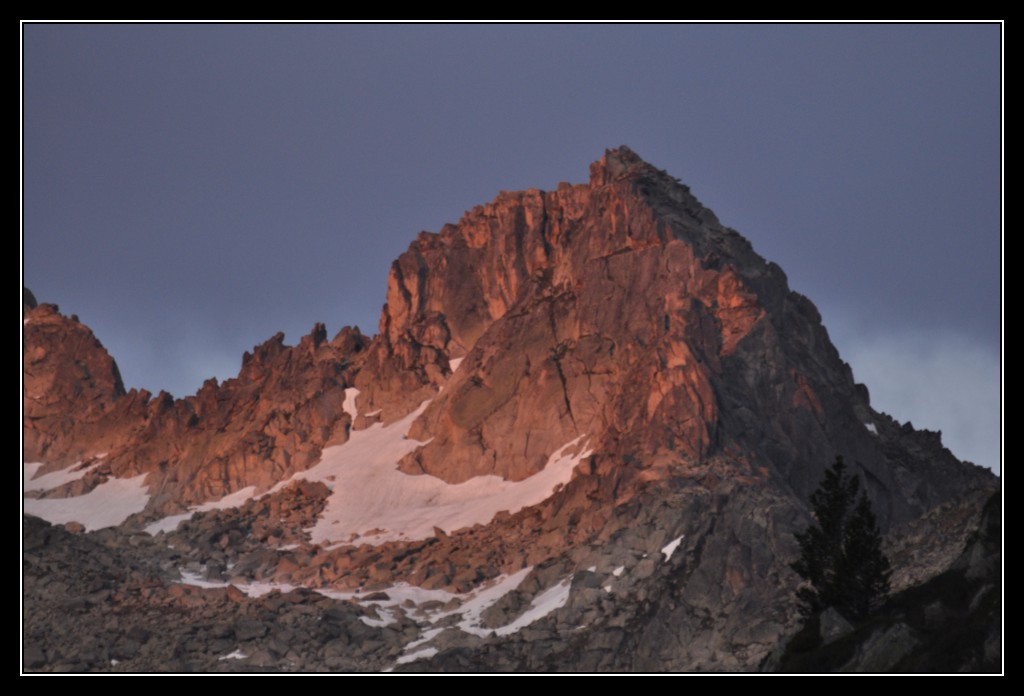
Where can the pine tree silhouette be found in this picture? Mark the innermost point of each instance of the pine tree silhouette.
(841, 554)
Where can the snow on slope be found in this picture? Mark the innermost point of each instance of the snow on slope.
(403, 598)
(236, 499)
(349, 405)
(107, 505)
(543, 604)
(474, 603)
(371, 500)
(670, 548)
(54, 478)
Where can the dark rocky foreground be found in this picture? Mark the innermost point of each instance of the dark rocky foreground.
(951, 622)
(114, 601)
(105, 602)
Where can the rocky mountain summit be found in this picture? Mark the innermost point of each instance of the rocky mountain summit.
(582, 440)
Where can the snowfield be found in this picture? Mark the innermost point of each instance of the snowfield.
(236, 499)
(373, 502)
(53, 479)
(107, 505)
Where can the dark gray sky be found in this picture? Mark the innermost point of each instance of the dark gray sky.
(189, 190)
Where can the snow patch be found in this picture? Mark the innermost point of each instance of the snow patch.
(53, 479)
(608, 588)
(189, 577)
(349, 404)
(669, 548)
(418, 655)
(234, 655)
(398, 594)
(378, 503)
(252, 589)
(236, 499)
(386, 618)
(427, 636)
(107, 505)
(481, 599)
(468, 612)
(619, 571)
(543, 604)
(258, 589)
(470, 607)
(872, 428)
(454, 363)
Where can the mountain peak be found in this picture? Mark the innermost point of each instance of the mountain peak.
(617, 163)
(597, 377)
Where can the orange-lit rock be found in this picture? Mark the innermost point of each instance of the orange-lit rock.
(620, 310)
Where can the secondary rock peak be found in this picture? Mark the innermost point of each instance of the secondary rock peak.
(617, 163)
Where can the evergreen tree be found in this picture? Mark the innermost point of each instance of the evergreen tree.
(841, 554)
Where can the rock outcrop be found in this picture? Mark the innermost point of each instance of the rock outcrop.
(640, 322)
(71, 385)
(948, 619)
(254, 430)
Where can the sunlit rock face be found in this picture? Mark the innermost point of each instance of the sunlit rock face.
(254, 430)
(622, 309)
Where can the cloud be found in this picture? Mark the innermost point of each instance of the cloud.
(939, 381)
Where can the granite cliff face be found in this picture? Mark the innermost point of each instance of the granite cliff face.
(598, 391)
(623, 310)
